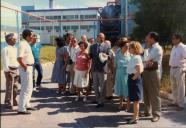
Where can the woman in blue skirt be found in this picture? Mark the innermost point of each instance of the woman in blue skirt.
(121, 60)
(134, 69)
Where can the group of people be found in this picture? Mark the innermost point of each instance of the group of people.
(129, 70)
(19, 64)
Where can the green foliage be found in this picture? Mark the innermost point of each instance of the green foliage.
(163, 16)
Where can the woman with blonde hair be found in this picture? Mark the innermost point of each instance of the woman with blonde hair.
(134, 70)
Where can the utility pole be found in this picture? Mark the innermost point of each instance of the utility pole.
(124, 15)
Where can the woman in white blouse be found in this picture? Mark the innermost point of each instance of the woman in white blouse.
(134, 70)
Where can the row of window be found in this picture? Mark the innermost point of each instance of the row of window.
(58, 28)
(65, 17)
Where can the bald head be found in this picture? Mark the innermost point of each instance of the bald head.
(101, 37)
(84, 38)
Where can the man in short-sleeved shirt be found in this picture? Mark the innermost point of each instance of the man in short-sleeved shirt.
(177, 63)
(151, 77)
(36, 47)
(26, 61)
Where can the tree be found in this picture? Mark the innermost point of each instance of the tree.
(163, 16)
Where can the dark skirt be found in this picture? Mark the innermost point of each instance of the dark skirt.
(134, 88)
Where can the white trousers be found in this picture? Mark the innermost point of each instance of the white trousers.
(177, 78)
(26, 88)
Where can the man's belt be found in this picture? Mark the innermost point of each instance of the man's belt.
(13, 68)
(174, 67)
(30, 64)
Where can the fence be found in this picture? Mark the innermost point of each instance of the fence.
(55, 27)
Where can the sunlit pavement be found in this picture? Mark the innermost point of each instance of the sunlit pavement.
(57, 111)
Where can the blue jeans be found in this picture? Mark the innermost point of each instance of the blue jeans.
(39, 69)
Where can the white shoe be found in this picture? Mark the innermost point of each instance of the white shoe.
(77, 98)
(34, 89)
(85, 99)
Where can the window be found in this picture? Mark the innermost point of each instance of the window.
(66, 27)
(70, 17)
(35, 27)
(49, 28)
(57, 17)
(81, 17)
(88, 17)
(42, 28)
(53, 17)
(84, 27)
(92, 26)
(57, 28)
(74, 27)
(50, 17)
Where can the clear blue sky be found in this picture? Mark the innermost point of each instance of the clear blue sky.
(43, 4)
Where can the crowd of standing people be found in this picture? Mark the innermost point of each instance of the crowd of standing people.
(128, 70)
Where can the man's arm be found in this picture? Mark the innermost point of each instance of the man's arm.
(5, 60)
(21, 49)
(20, 60)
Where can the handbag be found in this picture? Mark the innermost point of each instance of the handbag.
(153, 67)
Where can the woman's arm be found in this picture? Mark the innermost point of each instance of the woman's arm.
(137, 74)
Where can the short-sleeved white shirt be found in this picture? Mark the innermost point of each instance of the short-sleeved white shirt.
(134, 61)
(25, 52)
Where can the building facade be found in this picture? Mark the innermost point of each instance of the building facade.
(78, 21)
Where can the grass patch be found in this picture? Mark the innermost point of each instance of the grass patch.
(165, 82)
(47, 54)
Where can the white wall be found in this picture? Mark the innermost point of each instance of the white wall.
(45, 35)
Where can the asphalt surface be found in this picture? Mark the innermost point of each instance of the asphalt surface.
(56, 111)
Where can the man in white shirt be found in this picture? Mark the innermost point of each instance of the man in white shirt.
(177, 63)
(10, 67)
(74, 49)
(151, 77)
(26, 61)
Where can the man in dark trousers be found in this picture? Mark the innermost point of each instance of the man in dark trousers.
(98, 74)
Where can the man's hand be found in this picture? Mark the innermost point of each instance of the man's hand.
(20, 60)
(149, 63)
(25, 67)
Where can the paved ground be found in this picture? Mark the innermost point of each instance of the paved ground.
(62, 111)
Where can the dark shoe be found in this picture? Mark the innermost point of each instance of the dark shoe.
(15, 103)
(94, 102)
(109, 97)
(9, 107)
(144, 114)
(172, 105)
(99, 105)
(32, 109)
(155, 119)
(24, 113)
(179, 108)
(133, 121)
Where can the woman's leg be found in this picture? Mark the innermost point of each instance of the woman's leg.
(136, 110)
(121, 102)
(85, 94)
(78, 91)
(128, 104)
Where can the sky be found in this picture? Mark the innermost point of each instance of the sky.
(44, 4)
